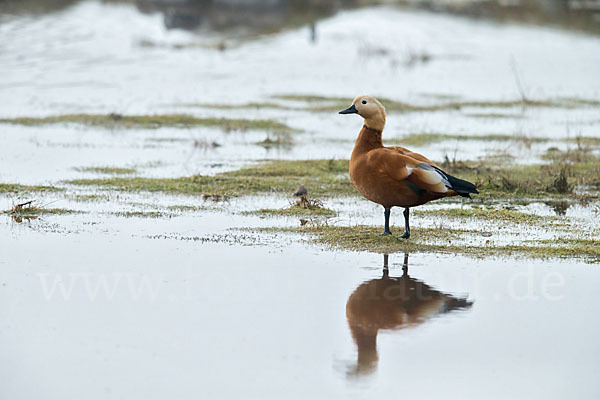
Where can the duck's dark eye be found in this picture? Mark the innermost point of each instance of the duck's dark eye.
(364, 102)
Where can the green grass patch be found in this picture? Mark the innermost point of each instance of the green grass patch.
(185, 208)
(510, 181)
(578, 155)
(321, 178)
(16, 188)
(426, 138)
(329, 178)
(279, 141)
(90, 197)
(310, 98)
(491, 214)
(252, 105)
(292, 211)
(140, 214)
(108, 170)
(152, 122)
(585, 140)
(575, 246)
(169, 140)
(494, 115)
(367, 238)
(420, 139)
(330, 104)
(438, 240)
(33, 210)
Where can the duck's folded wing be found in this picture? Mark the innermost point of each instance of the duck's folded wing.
(411, 154)
(428, 177)
(402, 167)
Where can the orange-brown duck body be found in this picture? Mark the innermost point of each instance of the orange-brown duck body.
(395, 176)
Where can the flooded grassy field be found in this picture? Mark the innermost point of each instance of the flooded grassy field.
(151, 245)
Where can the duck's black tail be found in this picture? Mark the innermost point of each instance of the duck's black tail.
(462, 187)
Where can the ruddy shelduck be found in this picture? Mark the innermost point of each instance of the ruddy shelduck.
(395, 176)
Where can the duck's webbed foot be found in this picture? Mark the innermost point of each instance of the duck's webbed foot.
(405, 235)
(385, 233)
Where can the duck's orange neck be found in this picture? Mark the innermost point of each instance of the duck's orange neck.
(368, 139)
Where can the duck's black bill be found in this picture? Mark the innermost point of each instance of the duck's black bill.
(349, 110)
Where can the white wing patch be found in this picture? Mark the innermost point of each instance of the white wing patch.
(432, 176)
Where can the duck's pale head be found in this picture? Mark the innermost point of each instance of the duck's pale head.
(370, 109)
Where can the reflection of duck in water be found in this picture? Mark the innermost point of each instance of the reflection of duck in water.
(392, 303)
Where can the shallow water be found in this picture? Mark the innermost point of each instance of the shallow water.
(180, 319)
(100, 305)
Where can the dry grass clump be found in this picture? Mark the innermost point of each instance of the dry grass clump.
(29, 210)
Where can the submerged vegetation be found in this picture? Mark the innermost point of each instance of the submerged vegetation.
(152, 121)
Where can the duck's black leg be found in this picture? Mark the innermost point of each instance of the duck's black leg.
(406, 233)
(386, 228)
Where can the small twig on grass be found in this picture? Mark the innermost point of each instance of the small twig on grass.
(19, 208)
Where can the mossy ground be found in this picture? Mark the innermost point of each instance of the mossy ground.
(531, 181)
(426, 138)
(90, 197)
(140, 214)
(32, 210)
(318, 103)
(185, 208)
(278, 141)
(251, 105)
(108, 170)
(329, 178)
(18, 189)
(292, 211)
(330, 104)
(321, 177)
(439, 240)
(152, 121)
(493, 214)
(494, 115)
